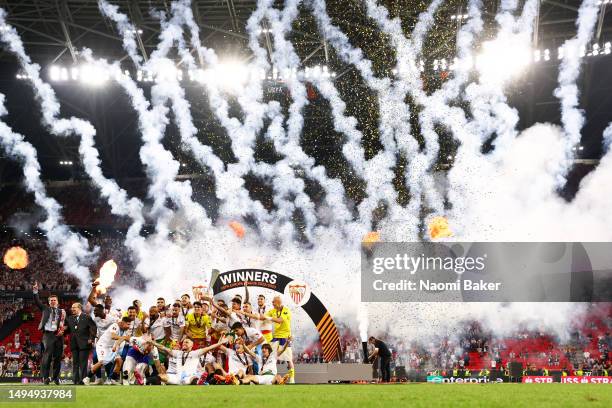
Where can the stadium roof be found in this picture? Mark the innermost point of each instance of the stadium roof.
(54, 30)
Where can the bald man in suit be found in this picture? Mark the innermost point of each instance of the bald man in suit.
(83, 332)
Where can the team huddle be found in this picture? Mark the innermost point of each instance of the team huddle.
(204, 341)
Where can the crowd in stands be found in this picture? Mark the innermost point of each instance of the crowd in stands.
(44, 268)
(20, 355)
(587, 349)
(9, 308)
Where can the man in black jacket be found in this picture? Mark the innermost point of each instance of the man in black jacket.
(52, 325)
(381, 350)
(83, 330)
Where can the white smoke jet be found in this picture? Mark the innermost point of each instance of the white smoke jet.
(567, 91)
(126, 29)
(285, 60)
(607, 137)
(400, 224)
(418, 174)
(72, 249)
(116, 196)
(243, 135)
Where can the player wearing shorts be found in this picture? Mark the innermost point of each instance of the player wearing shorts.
(107, 346)
(103, 321)
(140, 355)
(281, 316)
(184, 364)
(238, 362)
(267, 374)
(155, 326)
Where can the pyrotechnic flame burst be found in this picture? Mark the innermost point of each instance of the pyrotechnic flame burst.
(16, 258)
(237, 228)
(107, 276)
(439, 228)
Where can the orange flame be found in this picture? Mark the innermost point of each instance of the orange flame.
(237, 228)
(16, 258)
(107, 276)
(371, 237)
(439, 228)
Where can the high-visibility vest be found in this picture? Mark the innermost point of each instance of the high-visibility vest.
(564, 373)
(546, 371)
(579, 373)
(455, 372)
(467, 373)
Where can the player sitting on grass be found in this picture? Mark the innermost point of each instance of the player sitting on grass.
(184, 364)
(267, 367)
(238, 362)
(138, 358)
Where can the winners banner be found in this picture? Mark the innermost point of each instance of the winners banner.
(487, 272)
(300, 294)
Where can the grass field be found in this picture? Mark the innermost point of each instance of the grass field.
(337, 396)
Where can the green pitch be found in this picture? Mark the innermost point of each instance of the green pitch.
(337, 396)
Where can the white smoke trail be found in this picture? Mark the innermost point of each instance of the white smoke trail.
(567, 91)
(109, 189)
(71, 248)
(284, 182)
(607, 137)
(400, 224)
(418, 175)
(285, 59)
(126, 29)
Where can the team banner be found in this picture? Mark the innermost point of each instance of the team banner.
(300, 294)
(487, 272)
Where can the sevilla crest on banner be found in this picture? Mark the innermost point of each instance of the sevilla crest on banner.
(298, 292)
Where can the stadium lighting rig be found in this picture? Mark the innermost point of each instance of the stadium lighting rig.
(504, 59)
(229, 75)
(459, 17)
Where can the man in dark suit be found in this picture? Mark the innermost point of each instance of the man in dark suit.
(52, 325)
(83, 330)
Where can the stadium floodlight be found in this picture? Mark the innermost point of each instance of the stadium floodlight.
(502, 59)
(607, 48)
(54, 73)
(230, 75)
(93, 75)
(459, 17)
